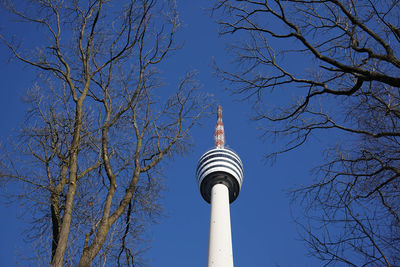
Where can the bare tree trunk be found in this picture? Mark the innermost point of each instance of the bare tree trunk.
(58, 258)
(55, 218)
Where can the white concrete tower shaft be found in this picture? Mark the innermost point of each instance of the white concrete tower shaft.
(220, 240)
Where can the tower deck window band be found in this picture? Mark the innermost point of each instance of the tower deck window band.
(207, 156)
(211, 164)
(206, 162)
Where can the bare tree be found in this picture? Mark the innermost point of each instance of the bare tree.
(340, 61)
(100, 123)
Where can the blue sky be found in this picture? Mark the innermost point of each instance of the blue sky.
(262, 229)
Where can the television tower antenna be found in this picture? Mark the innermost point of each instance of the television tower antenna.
(219, 175)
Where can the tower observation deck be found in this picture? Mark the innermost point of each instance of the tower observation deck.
(219, 174)
(219, 166)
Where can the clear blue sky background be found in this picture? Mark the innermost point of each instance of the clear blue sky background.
(262, 228)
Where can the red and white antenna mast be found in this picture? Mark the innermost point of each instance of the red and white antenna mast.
(219, 130)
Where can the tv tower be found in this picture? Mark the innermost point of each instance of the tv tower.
(219, 174)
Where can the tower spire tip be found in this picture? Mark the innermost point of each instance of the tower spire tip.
(219, 130)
